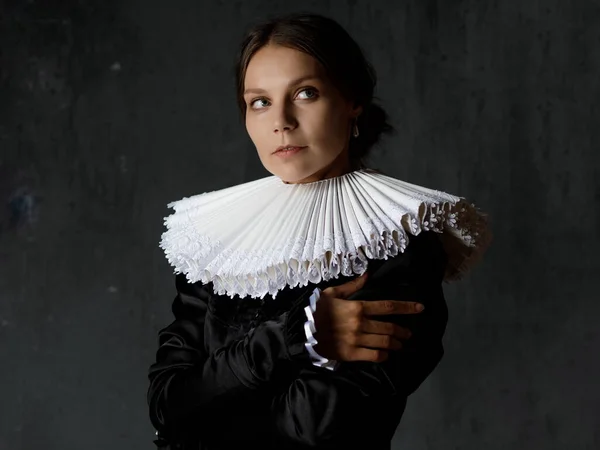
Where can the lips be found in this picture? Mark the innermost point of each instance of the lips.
(288, 147)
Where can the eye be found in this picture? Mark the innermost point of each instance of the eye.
(311, 91)
(253, 102)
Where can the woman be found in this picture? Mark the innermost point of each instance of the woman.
(296, 321)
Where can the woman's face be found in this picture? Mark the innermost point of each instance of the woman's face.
(290, 101)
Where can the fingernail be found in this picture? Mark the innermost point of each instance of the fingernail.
(420, 307)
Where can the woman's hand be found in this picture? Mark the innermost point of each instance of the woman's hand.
(344, 333)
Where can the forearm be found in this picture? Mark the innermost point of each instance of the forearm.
(186, 382)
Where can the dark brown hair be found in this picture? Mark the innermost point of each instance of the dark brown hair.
(330, 44)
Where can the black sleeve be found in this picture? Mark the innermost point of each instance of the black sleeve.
(361, 403)
(416, 275)
(187, 384)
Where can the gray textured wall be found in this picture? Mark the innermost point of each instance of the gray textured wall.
(109, 110)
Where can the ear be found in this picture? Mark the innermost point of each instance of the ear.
(356, 111)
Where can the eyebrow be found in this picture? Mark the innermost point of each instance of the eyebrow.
(292, 83)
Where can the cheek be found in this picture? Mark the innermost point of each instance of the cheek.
(253, 130)
(329, 125)
(259, 135)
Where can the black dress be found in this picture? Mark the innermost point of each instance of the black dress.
(233, 373)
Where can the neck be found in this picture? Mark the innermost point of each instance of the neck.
(340, 166)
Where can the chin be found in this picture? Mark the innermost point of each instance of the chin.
(294, 171)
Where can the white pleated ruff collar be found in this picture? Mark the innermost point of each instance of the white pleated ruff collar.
(258, 237)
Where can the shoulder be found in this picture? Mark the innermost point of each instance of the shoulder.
(426, 243)
(191, 298)
(424, 256)
(186, 288)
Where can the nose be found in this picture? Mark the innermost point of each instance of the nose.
(284, 119)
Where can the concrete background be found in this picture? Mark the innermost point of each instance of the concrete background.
(111, 109)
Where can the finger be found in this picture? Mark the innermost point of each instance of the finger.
(347, 289)
(378, 341)
(378, 327)
(382, 307)
(366, 354)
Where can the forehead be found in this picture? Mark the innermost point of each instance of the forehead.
(278, 64)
